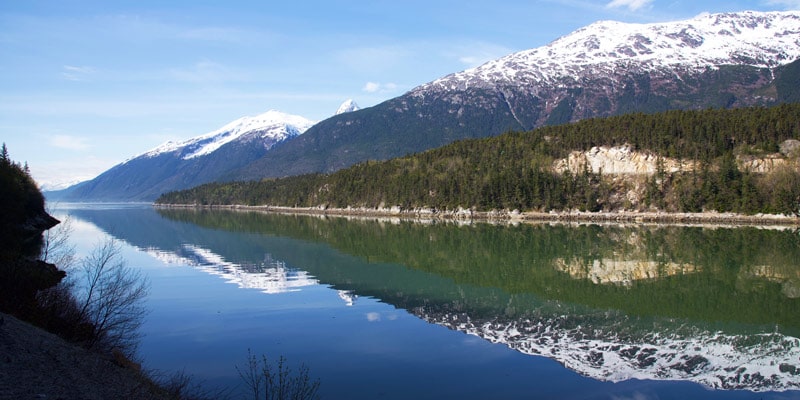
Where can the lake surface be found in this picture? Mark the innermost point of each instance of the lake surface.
(390, 309)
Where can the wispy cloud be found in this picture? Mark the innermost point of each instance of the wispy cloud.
(632, 5)
(375, 87)
(69, 142)
(787, 4)
(76, 73)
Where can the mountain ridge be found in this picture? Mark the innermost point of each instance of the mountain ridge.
(191, 162)
(757, 39)
(490, 99)
(725, 60)
(273, 124)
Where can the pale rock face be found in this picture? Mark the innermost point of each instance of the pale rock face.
(619, 160)
(622, 160)
(760, 165)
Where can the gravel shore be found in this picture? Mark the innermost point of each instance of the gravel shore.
(714, 218)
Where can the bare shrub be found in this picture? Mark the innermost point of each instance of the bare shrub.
(110, 295)
(182, 386)
(277, 382)
(56, 247)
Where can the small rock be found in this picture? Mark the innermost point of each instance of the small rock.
(790, 147)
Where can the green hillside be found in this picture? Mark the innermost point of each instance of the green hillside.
(514, 170)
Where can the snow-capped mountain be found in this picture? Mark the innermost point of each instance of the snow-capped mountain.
(606, 48)
(607, 68)
(269, 128)
(180, 165)
(347, 106)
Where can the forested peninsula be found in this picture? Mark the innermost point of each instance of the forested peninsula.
(744, 161)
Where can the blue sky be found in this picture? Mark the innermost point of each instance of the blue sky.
(85, 85)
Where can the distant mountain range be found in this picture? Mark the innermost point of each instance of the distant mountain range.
(607, 68)
(182, 165)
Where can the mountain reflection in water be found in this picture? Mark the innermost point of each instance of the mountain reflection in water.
(270, 276)
(717, 306)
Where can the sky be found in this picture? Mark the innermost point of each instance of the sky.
(85, 85)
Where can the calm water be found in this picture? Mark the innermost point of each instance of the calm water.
(397, 310)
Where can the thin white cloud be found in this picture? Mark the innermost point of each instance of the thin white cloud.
(69, 142)
(632, 5)
(786, 4)
(76, 73)
(371, 87)
(375, 87)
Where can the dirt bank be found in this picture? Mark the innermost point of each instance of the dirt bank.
(35, 364)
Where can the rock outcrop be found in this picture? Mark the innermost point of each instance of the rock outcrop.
(624, 160)
(619, 160)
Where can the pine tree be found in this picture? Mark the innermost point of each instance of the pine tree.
(4, 156)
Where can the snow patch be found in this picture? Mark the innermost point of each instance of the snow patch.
(274, 125)
(761, 39)
(347, 106)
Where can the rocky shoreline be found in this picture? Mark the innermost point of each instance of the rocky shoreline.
(515, 216)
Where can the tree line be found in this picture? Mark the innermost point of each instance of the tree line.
(96, 301)
(514, 170)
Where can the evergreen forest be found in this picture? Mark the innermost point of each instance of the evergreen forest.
(515, 170)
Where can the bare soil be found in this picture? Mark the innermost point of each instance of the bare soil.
(35, 364)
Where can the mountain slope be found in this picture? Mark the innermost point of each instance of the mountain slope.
(607, 68)
(189, 163)
(676, 161)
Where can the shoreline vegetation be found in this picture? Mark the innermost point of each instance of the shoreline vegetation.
(673, 166)
(515, 216)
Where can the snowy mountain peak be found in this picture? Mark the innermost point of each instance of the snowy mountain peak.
(761, 39)
(270, 127)
(348, 106)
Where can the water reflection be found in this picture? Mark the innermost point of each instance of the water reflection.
(621, 271)
(615, 347)
(348, 296)
(269, 276)
(713, 306)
